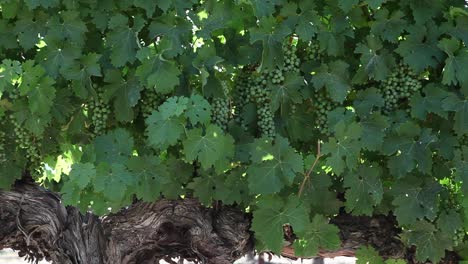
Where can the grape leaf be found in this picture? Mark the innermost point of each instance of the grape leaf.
(122, 39)
(318, 234)
(211, 147)
(375, 60)
(430, 103)
(368, 255)
(172, 28)
(112, 181)
(288, 92)
(157, 72)
(347, 5)
(10, 71)
(68, 27)
(365, 189)
(430, 243)
(413, 147)
(460, 106)
(334, 77)
(82, 173)
(33, 4)
(164, 131)
(275, 166)
(455, 63)
(374, 127)
(264, 8)
(270, 216)
(148, 172)
(125, 92)
(114, 147)
(388, 26)
(271, 35)
(414, 200)
(344, 148)
(29, 27)
(198, 110)
(449, 221)
(419, 49)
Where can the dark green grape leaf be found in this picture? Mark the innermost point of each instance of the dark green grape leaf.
(10, 70)
(122, 39)
(419, 49)
(460, 106)
(270, 216)
(287, 93)
(317, 235)
(456, 63)
(415, 200)
(317, 192)
(413, 147)
(157, 72)
(376, 61)
(368, 100)
(344, 148)
(198, 110)
(150, 6)
(148, 172)
(367, 255)
(114, 147)
(305, 23)
(421, 106)
(347, 5)
(81, 174)
(430, 243)
(264, 8)
(388, 26)
(29, 26)
(210, 147)
(124, 92)
(164, 131)
(275, 166)
(449, 221)
(334, 77)
(172, 28)
(374, 128)
(272, 35)
(33, 4)
(365, 189)
(424, 10)
(112, 181)
(68, 27)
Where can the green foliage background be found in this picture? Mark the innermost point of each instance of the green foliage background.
(59, 56)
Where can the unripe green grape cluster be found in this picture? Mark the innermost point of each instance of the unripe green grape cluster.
(100, 113)
(261, 93)
(26, 141)
(150, 100)
(265, 121)
(276, 76)
(313, 51)
(291, 60)
(458, 236)
(221, 112)
(323, 104)
(397, 88)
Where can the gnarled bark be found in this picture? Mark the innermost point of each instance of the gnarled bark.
(34, 221)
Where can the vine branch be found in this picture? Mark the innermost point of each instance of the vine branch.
(307, 176)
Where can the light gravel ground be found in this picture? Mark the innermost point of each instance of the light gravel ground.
(10, 257)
